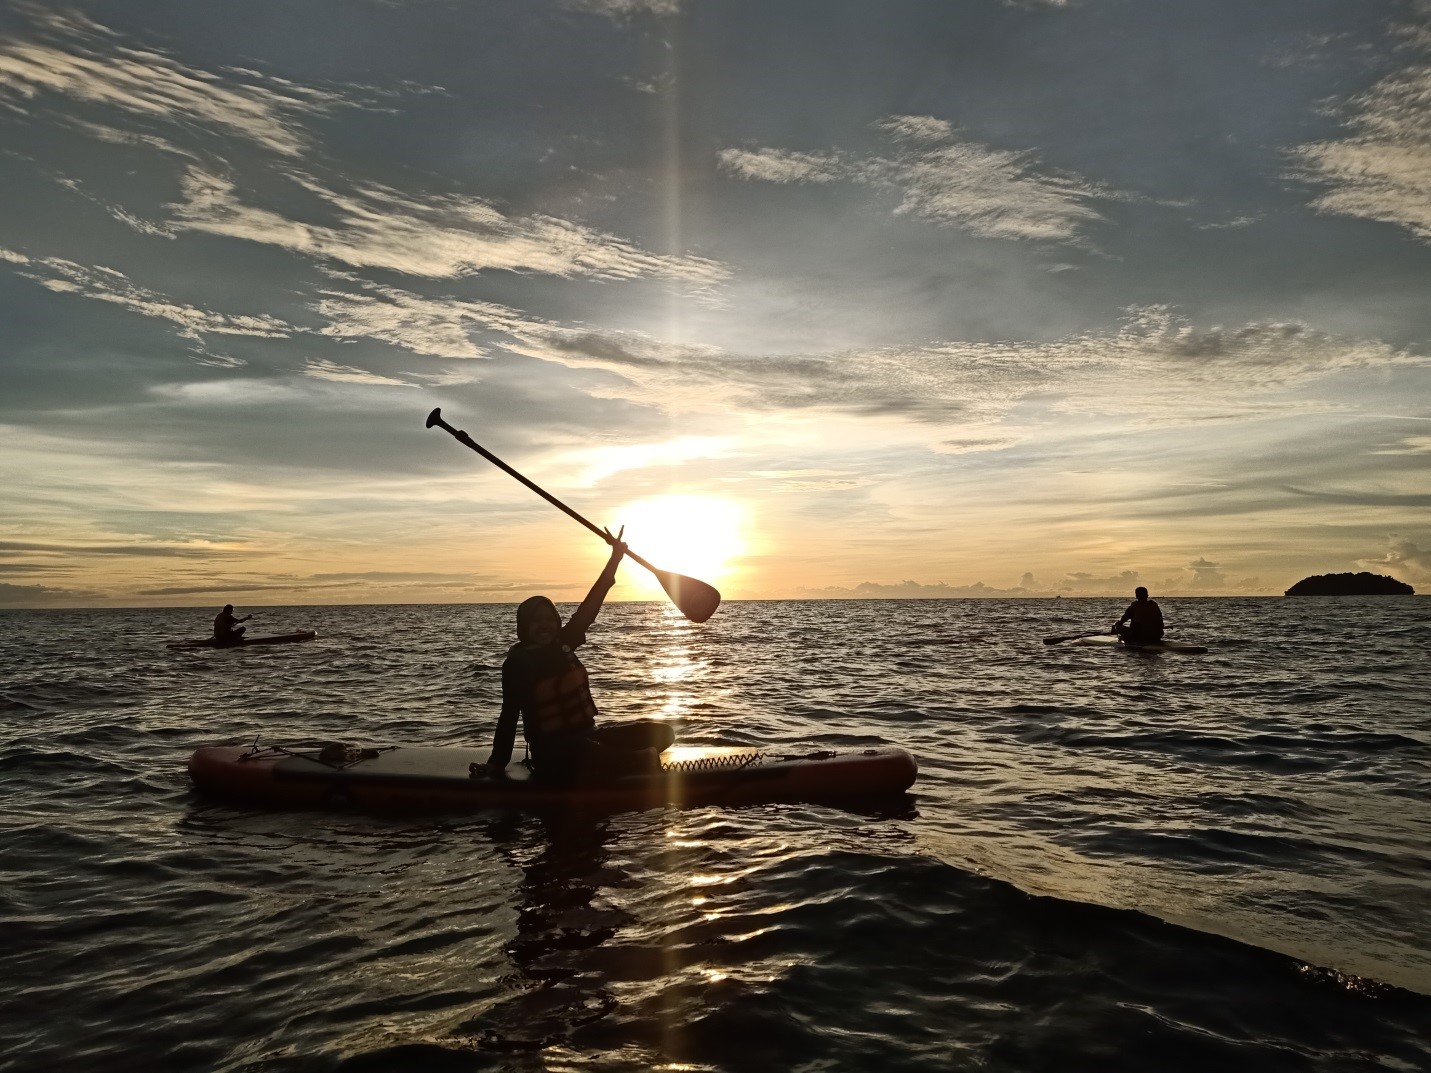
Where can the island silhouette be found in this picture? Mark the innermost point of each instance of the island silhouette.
(1361, 584)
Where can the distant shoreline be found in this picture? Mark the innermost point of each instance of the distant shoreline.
(1052, 598)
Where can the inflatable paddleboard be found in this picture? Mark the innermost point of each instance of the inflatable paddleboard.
(270, 639)
(401, 778)
(1155, 646)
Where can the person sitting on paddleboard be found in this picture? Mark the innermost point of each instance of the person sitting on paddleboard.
(545, 684)
(226, 628)
(1144, 620)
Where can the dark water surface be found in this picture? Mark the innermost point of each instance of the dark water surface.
(1111, 861)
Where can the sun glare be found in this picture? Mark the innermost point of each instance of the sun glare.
(694, 535)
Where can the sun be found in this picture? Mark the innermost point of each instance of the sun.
(695, 535)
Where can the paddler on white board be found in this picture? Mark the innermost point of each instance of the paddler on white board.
(545, 685)
(227, 630)
(1142, 623)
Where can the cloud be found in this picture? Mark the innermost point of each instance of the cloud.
(405, 576)
(165, 551)
(818, 479)
(1156, 368)
(623, 9)
(993, 193)
(109, 285)
(1206, 575)
(990, 192)
(1407, 445)
(603, 462)
(440, 327)
(75, 59)
(437, 237)
(908, 590)
(35, 595)
(1083, 583)
(1382, 169)
(1404, 559)
(973, 444)
(917, 128)
(230, 587)
(366, 581)
(1205, 578)
(1362, 498)
(780, 165)
(323, 369)
(1077, 583)
(1231, 223)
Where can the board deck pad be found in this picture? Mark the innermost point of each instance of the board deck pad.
(443, 777)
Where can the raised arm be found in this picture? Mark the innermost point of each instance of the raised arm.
(582, 618)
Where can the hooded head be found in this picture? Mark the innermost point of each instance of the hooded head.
(537, 615)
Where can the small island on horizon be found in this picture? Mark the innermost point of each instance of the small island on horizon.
(1361, 584)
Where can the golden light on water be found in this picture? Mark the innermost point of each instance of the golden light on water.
(697, 535)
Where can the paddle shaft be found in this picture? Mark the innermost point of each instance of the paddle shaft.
(435, 418)
(1072, 637)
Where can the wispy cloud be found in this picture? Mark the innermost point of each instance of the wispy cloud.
(1408, 445)
(917, 128)
(441, 327)
(436, 236)
(332, 584)
(995, 193)
(109, 285)
(323, 369)
(908, 590)
(71, 57)
(1382, 169)
(163, 551)
(782, 165)
(603, 462)
(1156, 367)
(623, 9)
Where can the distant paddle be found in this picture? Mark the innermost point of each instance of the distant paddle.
(1072, 637)
(695, 599)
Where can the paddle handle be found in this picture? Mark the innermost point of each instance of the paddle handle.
(435, 418)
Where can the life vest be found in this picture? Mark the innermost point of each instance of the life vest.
(561, 703)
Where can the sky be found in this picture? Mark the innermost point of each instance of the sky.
(817, 298)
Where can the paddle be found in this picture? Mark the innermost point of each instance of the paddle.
(695, 599)
(1072, 637)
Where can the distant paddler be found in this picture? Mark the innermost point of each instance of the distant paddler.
(227, 630)
(1142, 623)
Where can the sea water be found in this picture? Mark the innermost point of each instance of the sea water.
(1111, 860)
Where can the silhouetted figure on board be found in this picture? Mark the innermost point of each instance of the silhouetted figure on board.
(545, 685)
(1144, 620)
(227, 630)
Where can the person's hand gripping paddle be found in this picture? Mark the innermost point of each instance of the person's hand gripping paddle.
(695, 599)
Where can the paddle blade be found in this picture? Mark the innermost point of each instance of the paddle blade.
(695, 599)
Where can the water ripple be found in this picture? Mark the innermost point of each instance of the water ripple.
(1109, 862)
